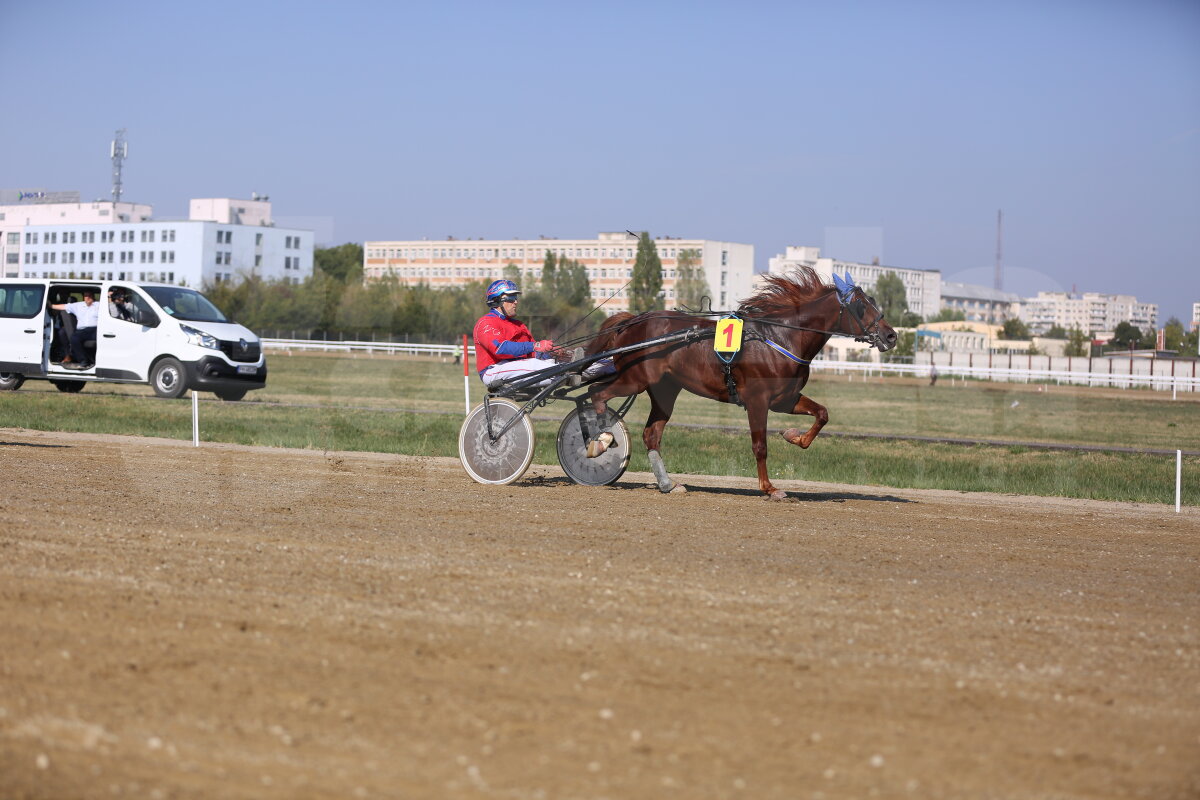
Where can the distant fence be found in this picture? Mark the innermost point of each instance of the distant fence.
(1163, 374)
(390, 348)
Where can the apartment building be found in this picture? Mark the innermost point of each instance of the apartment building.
(979, 303)
(47, 235)
(1091, 312)
(609, 258)
(922, 287)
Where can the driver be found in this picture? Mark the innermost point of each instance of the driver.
(504, 347)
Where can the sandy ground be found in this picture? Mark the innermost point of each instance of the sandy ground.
(233, 622)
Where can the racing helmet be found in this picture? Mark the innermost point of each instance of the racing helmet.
(497, 289)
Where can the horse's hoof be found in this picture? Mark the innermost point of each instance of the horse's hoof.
(794, 436)
(776, 495)
(678, 488)
(599, 445)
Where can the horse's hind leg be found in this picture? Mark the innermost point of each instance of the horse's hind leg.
(662, 403)
(619, 386)
(815, 410)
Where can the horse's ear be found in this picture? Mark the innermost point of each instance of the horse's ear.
(839, 284)
(849, 280)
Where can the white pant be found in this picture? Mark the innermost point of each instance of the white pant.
(508, 370)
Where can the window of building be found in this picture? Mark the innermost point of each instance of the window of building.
(14, 237)
(258, 240)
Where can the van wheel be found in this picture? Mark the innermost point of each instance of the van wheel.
(70, 387)
(230, 394)
(11, 381)
(167, 378)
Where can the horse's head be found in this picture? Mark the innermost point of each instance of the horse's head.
(861, 317)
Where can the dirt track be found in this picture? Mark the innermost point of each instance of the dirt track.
(241, 622)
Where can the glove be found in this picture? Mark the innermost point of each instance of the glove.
(543, 346)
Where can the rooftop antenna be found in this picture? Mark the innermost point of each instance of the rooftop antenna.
(119, 151)
(999, 279)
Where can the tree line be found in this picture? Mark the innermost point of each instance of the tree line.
(335, 303)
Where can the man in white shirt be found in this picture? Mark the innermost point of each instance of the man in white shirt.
(87, 316)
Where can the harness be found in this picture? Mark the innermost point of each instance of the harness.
(866, 334)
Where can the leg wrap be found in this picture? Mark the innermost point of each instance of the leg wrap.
(660, 472)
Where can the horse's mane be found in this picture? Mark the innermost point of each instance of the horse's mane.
(783, 293)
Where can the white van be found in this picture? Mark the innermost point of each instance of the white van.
(171, 337)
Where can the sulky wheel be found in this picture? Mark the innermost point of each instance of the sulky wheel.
(572, 450)
(501, 461)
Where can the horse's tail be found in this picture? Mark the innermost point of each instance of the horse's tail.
(609, 330)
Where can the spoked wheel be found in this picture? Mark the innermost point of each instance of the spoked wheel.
(501, 461)
(572, 449)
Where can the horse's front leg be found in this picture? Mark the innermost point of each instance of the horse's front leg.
(756, 414)
(662, 403)
(815, 410)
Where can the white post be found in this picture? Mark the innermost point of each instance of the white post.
(195, 418)
(1178, 475)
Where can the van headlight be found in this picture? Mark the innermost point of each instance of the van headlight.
(200, 338)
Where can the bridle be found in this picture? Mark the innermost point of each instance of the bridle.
(869, 334)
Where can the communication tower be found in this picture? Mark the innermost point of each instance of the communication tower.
(119, 151)
(999, 278)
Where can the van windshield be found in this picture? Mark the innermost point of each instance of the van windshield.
(186, 304)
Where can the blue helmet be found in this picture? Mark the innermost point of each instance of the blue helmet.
(497, 289)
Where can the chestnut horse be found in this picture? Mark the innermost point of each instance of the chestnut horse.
(785, 325)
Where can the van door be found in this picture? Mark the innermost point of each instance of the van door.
(127, 339)
(22, 327)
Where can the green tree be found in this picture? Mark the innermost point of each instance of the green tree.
(1127, 335)
(1173, 334)
(1056, 332)
(1014, 328)
(948, 315)
(1078, 343)
(645, 289)
(343, 263)
(891, 297)
(690, 285)
(1190, 346)
(549, 273)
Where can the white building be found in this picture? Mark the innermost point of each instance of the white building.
(609, 259)
(979, 303)
(1091, 312)
(222, 240)
(1195, 316)
(922, 287)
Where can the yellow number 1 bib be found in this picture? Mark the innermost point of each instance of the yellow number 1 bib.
(729, 335)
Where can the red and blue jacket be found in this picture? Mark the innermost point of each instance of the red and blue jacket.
(498, 338)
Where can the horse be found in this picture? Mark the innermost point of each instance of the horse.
(785, 325)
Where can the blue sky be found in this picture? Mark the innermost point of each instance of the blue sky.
(894, 130)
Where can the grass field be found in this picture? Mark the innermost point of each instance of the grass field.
(411, 406)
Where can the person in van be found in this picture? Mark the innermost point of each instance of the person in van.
(119, 306)
(87, 317)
